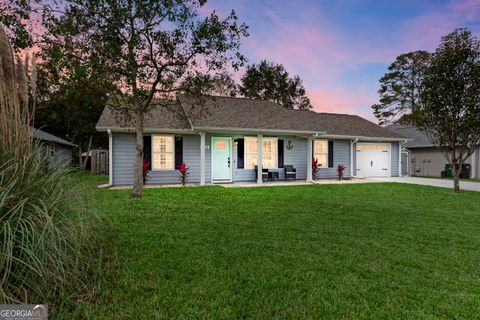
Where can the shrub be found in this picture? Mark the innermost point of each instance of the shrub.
(183, 169)
(146, 169)
(315, 168)
(340, 170)
(46, 244)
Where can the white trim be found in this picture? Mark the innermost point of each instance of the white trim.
(173, 152)
(110, 158)
(258, 131)
(259, 158)
(309, 159)
(389, 150)
(362, 138)
(202, 158)
(211, 160)
(352, 143)
(148, 130)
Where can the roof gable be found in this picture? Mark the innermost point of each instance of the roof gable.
(417, 138)
(47, 137)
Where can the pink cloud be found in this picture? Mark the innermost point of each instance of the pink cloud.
(343, 100)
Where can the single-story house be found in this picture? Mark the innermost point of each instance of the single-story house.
(422, 158)
(57, 150)
(224, 139)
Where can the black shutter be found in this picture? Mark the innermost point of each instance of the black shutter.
(280, 153)
(147, 149)
(240, 151)
(330, 154)
(178, 151)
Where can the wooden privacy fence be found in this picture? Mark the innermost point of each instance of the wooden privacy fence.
(99, 162)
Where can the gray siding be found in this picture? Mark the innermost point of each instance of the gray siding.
(297, 156)
(405, 164)
(395, 159)
(341, 155)
(63, 154)
(124, 159)
(123, 155)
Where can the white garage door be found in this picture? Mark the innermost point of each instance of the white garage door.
(373, 160)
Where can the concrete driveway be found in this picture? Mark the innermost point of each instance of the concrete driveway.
(442, 183)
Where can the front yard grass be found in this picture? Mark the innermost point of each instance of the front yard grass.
(356, 251)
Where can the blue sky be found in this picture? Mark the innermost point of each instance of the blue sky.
(341, 48)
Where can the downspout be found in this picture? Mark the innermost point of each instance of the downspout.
(352, 142)
(110, 158)
(400, 157)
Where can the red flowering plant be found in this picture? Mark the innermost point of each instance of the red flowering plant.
(315, 167)
(340, 169)
(183, 169)
(146, 169)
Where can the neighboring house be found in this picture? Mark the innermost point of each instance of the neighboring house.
(219, 142)
(58, 150)
(422, 158)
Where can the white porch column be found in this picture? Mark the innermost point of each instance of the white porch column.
(309, 159)
(259, 159)
(110, 158)
(202, 158)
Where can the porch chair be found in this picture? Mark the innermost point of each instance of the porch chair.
(290, 172)
(264, 173)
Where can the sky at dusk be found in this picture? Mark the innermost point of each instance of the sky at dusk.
(341, 48)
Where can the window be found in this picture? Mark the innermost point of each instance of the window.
(372, 147)
(320, 152)
(51, 150)
(162, 152)
(269, 153)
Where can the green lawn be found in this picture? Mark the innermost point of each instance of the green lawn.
(356, 251)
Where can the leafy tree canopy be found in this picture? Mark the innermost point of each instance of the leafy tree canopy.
(399, 88)
(150, 48)
(269, 81)
(449, 111)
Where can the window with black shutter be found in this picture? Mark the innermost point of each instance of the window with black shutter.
(280, 153)
(240, 152)
(178, 151)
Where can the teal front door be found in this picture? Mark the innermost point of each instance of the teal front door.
(221, 159)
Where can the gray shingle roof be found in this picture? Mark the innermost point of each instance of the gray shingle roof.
(249, 114)
(45, 136)
(418, 138)
(165, 115)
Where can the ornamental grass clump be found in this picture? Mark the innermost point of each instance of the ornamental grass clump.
(44, 236)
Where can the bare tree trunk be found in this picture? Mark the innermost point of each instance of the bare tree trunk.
(83, 163)
(138, 171)
(456, 168)
(80, 160)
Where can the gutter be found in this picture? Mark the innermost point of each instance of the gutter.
(256, 131)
